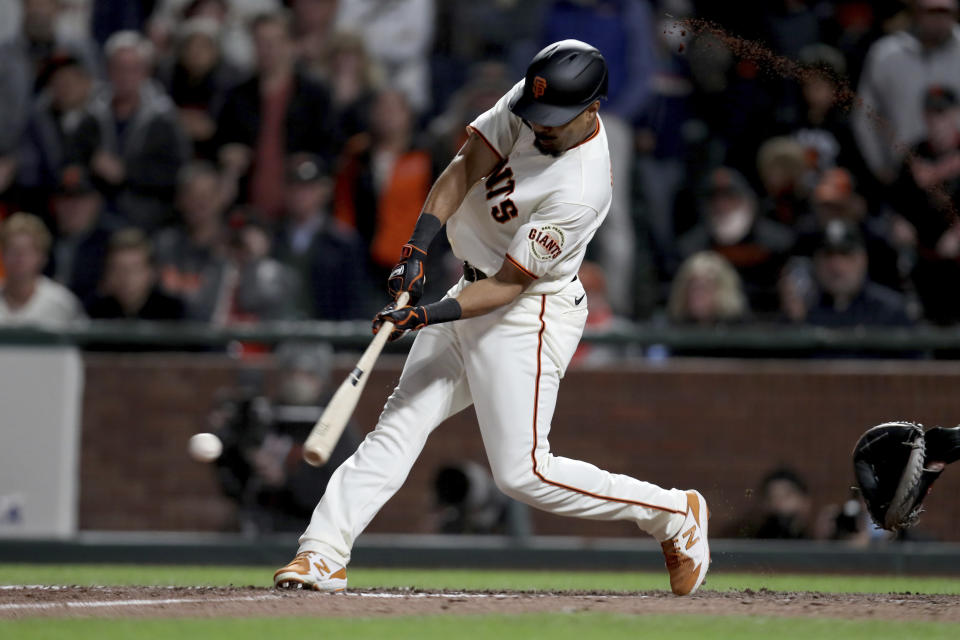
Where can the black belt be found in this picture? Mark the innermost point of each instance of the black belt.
(472, 274)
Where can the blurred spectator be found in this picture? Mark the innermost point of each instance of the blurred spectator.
(797, 289)
(27, 296)
(898, 69)
(790, 24)
(22, 61)
(384, 181)
(785, 176)
(600, 318)
(11, 15)
(256, 287)
(927, 194)
(730, 226)
(41, 36)
(129, 290)
(354, 81)
(191, 256)
(111, 16)
(398, 34)
(786, 507)
(821, 121)
(233, 16)
(277, 112)
(707, 291)
(507, 30)
(486, 83)
(846, 521)
(623, 32)
(835, 198)
(197, 79)
(262, 465)
(313, 21)
(62, 131)
(667, 137)
(735, 100)
(856, 24)
(847, 297)
(83, 229)
(328, 255)
(142, 145)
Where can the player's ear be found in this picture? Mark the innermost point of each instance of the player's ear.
(594, 107)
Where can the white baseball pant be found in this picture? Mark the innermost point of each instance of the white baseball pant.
(508, 364)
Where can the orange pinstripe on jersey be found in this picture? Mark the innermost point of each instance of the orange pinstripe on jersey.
(533, 451)
(485, 141)
(521, 267)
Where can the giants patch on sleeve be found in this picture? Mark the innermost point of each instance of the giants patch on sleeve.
(546, 243)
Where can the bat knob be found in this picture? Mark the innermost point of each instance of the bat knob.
(313, 457)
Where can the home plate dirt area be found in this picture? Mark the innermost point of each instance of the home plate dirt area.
(229, 602)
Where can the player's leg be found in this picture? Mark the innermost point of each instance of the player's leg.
(514, 376)
(514, 367)
(432, 387)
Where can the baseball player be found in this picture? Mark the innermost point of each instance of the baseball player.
(521, 200)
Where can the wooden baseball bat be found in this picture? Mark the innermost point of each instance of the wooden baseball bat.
(325, 434)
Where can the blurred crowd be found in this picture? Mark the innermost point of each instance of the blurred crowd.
(229, 161)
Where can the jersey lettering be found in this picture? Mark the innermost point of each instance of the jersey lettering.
(504, 212)
(501, 174)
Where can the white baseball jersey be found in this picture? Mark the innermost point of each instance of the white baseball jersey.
(535, 210)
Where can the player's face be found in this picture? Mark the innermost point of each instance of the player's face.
(555, 140)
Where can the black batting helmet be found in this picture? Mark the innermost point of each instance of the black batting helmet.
(562, 80)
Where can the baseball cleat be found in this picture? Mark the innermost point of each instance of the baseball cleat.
(310, 570)
(688, 554)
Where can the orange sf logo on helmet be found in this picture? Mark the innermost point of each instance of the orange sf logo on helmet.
(539, 86)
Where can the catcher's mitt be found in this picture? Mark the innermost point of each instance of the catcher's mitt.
(894, 470)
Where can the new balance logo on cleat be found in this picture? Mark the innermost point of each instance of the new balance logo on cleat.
(312, 571)
(689, 535)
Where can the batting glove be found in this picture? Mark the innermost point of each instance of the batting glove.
(408, 274)
(412, 318)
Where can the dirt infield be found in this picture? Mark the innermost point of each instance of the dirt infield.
(203, 602)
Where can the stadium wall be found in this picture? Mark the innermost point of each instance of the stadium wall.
(716, 425)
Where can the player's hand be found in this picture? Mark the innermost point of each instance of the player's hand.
(408, 275)
(404, 319)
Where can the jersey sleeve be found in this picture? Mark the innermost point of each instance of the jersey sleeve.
(552, 241)
(498, 126)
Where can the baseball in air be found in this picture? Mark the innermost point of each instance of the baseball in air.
(204, 447)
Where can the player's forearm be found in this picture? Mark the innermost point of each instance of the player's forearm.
(487, 295)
